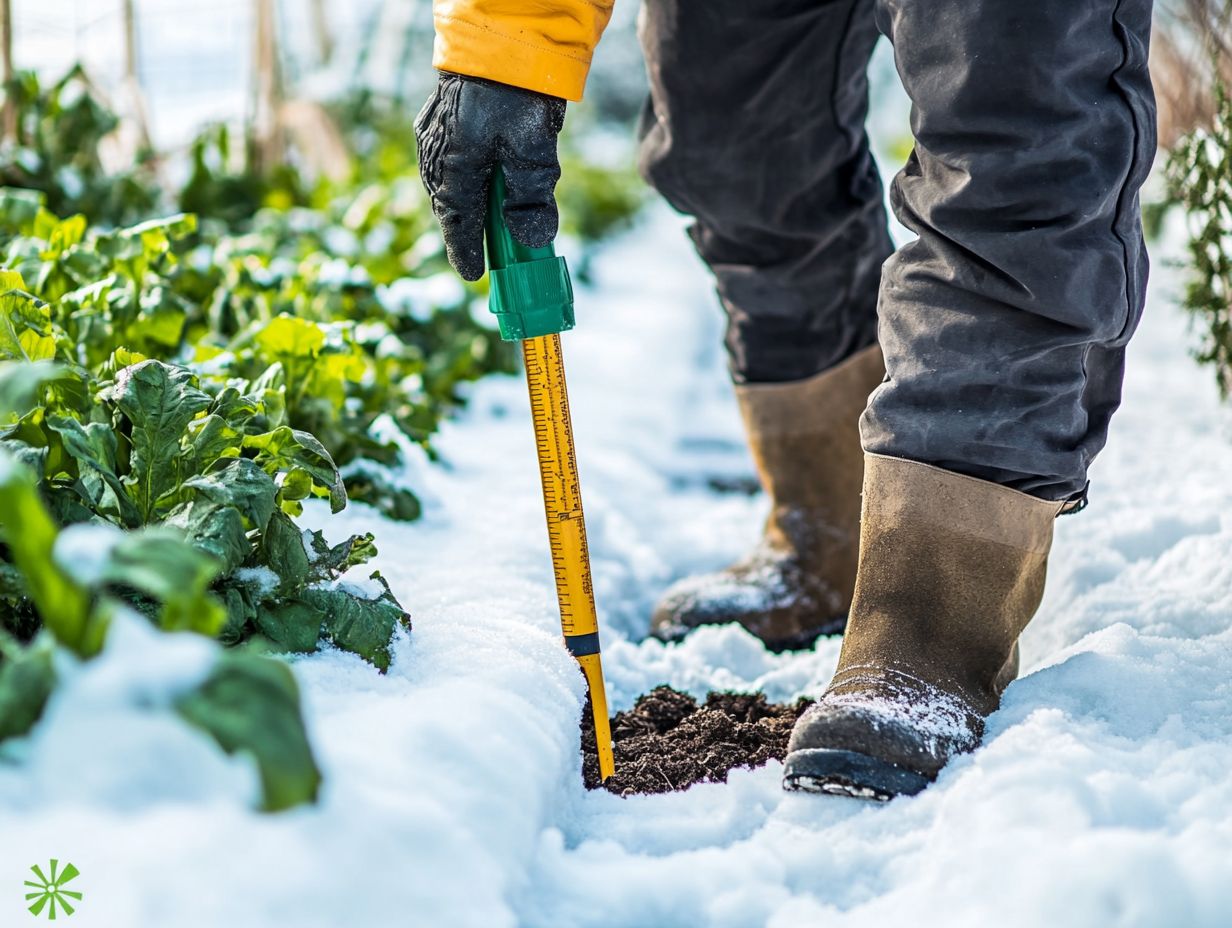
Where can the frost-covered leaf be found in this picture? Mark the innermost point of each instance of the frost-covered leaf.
(361, 621)
(241, 613)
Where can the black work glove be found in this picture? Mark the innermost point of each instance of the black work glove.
(467, 128)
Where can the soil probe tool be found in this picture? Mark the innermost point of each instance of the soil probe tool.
(533, 301)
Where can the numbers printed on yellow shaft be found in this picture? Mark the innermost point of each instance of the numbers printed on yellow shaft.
(562, 500)
(562, 492)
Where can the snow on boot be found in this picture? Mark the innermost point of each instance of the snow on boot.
(797, 583)
(951, 570)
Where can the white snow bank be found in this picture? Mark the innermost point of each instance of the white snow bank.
(110, 737)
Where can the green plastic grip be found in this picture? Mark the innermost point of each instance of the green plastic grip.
(529, 288)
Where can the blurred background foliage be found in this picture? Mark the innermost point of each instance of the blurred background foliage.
(1192, 67)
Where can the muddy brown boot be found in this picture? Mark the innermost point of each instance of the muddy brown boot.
(797, 583)
(951, 570)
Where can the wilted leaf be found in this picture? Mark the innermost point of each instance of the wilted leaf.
(287, 449)
(383, 494)
(240, 612)
(328, 562)
(361, 625)
(210, 439)
(236, 408)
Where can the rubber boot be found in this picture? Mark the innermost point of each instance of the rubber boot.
(951, 570)
(797, 583)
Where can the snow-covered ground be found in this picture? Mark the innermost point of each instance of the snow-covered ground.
(453, 796)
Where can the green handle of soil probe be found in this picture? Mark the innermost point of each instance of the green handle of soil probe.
(529, 288)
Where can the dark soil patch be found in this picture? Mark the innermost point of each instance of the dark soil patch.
(668, 742)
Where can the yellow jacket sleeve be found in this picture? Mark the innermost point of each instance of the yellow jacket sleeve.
(543, 45)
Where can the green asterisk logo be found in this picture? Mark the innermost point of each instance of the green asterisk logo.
(48, 892)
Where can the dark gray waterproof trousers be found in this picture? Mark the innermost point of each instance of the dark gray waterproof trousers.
(1004, 323)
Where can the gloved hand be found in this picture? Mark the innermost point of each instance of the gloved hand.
(467, 128)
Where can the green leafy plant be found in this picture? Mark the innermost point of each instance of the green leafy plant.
(126, 487)
(1199, 173)
(137, 442)
(338, 352)
(247, 703)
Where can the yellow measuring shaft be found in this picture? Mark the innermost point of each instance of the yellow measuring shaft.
(562, 501)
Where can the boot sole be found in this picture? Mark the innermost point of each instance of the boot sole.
(848, 773)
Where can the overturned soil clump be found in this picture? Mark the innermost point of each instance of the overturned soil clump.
(668, 742)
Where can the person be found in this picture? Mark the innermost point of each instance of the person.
(919, 418)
